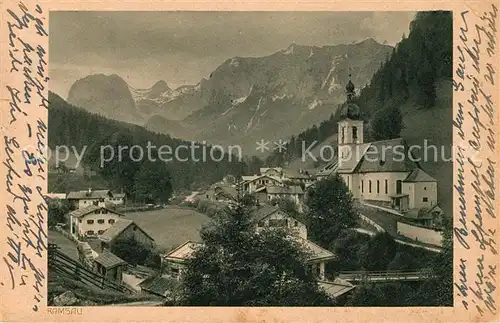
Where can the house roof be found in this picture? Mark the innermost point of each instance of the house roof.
(336, 288)
(109, 260)
(329, 168)
(94, 194)
(386, 156)
(284, 190)
(263, 212)
(60, 196)
(317, 251)
(225, 190)
(418, 175)
(248, 179)
(117, 228)
(158, 285)
(184, 251)
(78, 213)
(119, 195)
(293, 173)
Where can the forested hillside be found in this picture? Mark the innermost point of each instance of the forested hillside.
(142, 179)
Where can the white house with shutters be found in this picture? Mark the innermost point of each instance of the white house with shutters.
(385, 172)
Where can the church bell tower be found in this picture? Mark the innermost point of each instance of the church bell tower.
(350, 126)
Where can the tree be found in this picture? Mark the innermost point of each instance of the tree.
(236, 266)
(153, 183)
(329, 210)
(378, 252)
(387, 124)
(56, 212)
(135, 253)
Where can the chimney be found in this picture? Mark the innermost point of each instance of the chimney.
(89, 191)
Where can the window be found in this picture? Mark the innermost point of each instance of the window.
(100, 232)
(425, 199)
(90, 232)
(90, 221)
(386, 189)
(80, 220)
(355, 133)
(425, 188)
(296, 224)
(95, 202)
(398, 187)
(378, 186)
(343, 135)
(104, 211)
(362, 186)
(277, 222)
(97, 212)
(111, 221)
(369, 186)
(260, 224)
(100, 221)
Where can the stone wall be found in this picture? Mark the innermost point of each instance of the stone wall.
(419, 233)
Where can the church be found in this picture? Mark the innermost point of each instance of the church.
(381, 172)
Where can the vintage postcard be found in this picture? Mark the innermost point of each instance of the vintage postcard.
(249, 162)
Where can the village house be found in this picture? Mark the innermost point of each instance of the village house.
(265, 217)
(384, 172)
(116, 199)
(250, 184)
(124, 229)
(81, 199)
(273, 193)
(92, 220)
(221, 192)
(110, 266)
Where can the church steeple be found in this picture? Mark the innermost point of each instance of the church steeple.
(350, 126)
(349, 90)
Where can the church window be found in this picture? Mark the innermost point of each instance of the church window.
(354, 134)
(343, 134)
(378, 186)
(385, 186)
(425, 188)
(398, 187)
(425, 199)
(362, 186)
(369, 186)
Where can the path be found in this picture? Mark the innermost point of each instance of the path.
(66, 246)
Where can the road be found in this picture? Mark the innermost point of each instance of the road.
(66, 246)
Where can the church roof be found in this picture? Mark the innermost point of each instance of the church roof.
(386, 156)
(350, 110)
(329, 168)
(418, 175)
(348, 163)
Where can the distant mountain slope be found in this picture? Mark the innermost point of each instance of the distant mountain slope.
(76, 128)
(245, 98)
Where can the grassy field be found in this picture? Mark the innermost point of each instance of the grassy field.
(170, 227)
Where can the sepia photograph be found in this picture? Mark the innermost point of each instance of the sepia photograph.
(250, 159)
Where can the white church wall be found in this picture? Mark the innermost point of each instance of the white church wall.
(381, 177)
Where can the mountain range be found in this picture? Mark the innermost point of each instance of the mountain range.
(243, 100)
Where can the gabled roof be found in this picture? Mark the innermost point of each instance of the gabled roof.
(284, 189)
(263, 212)
(119, 195)
(292, 173)
(248, 179)
(159, 285)
(318, 253)
(109, 260)
(117, 228)
(336, 288)
(329, 168)
(183, 252)
(386, 156)
(93, 194)
(418, 175)
(78, 213)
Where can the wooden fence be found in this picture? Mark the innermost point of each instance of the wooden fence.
(63, 264)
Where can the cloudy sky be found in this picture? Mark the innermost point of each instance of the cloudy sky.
(183, 47)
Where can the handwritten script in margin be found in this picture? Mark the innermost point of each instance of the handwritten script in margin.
(25, 162)
(474, 81)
